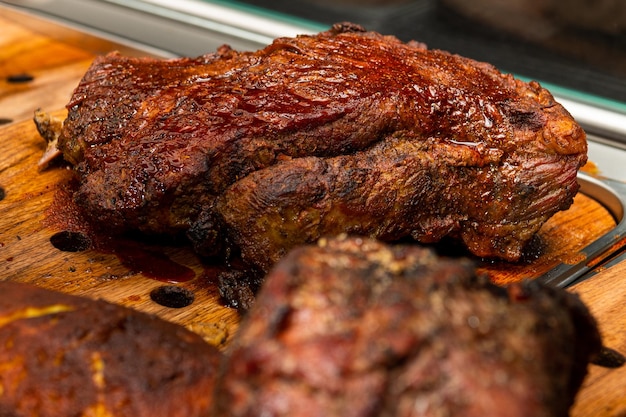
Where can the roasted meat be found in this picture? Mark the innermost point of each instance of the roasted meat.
(343, 131)
(62, 355)
(354, 327)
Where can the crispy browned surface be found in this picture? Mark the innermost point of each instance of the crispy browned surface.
(342, 131)
(356, 328)
(63, 355)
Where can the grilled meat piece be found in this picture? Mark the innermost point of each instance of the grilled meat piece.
(346, 130)
(357, 328)
(63, 355)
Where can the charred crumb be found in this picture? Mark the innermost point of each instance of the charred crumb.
(238, 288)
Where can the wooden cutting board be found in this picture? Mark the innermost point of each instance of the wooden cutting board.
(27, 255)
(41, 62)
(56, 58)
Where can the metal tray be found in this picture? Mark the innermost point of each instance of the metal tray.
(612, 195)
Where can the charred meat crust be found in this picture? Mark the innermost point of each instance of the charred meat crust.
(188, 145)
(64, 355)
(356, 328)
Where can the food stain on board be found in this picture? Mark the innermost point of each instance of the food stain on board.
(152, 263)
(161, 259)
(77, 235)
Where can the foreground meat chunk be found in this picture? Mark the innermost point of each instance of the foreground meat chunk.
(62, 355)
(356, 328)
(346, 130)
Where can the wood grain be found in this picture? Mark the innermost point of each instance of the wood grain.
(26, 254)
(54, 56)
(604, 390)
